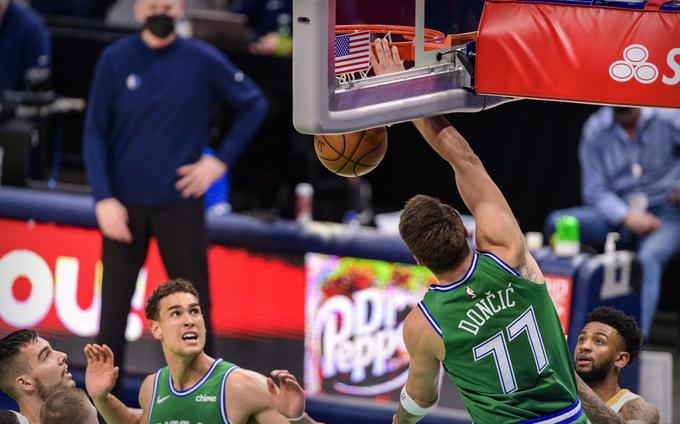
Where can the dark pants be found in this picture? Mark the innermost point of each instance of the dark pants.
(182, 241)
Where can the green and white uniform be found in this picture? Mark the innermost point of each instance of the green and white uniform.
(201, 404)
(505, 348)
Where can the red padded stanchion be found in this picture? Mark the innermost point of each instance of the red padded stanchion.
(579, 53)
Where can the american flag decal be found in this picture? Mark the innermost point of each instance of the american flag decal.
(351, 52)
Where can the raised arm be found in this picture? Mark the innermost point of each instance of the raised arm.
(636, 411)
(496, 227)
(426, 350)
(100, 378)
(253, 398)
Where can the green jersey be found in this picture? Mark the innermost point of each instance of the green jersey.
(201, 404)
(505, 348)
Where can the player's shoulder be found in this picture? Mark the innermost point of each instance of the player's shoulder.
(248, 389)
(201, 49)
(28, 17)
(246, 380)
(146, 392)
(121, 47)
(421, 331)
(638, 409)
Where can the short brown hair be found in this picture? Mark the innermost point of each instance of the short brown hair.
(65, 406)
(177, 285)
(434, 233)
(10, 346)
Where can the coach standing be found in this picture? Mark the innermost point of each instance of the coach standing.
(146, 125)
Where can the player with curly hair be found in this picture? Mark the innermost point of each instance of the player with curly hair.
(607, 344)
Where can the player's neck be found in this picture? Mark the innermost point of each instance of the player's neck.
(607, 388)
(187, 371)
(30, 408)
(458, 272)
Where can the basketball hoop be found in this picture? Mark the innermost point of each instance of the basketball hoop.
(405, 42)
(433, 39)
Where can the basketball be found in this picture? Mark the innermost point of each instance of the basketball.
(352, 154)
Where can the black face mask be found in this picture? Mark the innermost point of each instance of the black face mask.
(160, 25)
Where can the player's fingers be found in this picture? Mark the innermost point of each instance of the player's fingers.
(379, 50)
(119, 231)
(395, 55)
(184, 169)
(191, 188)
(385, 48)
(199, 186)
(109, 353)
(100, 353)
(183, 182)
(88, 355)
(374, 59)
(94, 354)
(271, 386)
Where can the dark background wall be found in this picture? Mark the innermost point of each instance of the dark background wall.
(528, 147)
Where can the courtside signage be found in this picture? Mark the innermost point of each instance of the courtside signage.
(51, 276)
(354, 319)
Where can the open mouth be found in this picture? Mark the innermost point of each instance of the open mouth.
(191, 335)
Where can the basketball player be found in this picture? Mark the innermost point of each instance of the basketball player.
(30, 371)
(193, 387)
(607, 344)
(68, 406)
(489, 321)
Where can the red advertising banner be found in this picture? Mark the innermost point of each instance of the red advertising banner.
(560, 289)
(579, 53)
(50, 279)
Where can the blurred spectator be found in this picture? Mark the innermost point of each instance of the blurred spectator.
(68, 406)
(272, 22)
(630, 180)
(147, 123)
(24, 44)
(96, 9)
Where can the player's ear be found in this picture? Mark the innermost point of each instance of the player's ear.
(155, 328)
(622, 359)
(24, 384)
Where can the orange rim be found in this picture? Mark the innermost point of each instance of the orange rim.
(433, 39)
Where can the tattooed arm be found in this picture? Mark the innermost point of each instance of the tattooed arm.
(639, 411)
(636, 411)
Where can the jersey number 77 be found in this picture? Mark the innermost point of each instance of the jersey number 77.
(498, 347)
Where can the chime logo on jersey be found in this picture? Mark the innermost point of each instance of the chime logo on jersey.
(205, 398)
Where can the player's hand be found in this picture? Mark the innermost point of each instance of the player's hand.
(267, 44)
(288, 397)
(675, 196)
(112, 218)
(196, 177)
(101, 373)
(641, 223)
(385, 60)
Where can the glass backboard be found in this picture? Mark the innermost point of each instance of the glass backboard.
(335, 88)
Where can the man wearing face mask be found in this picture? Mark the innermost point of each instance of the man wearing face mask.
(147, 123)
